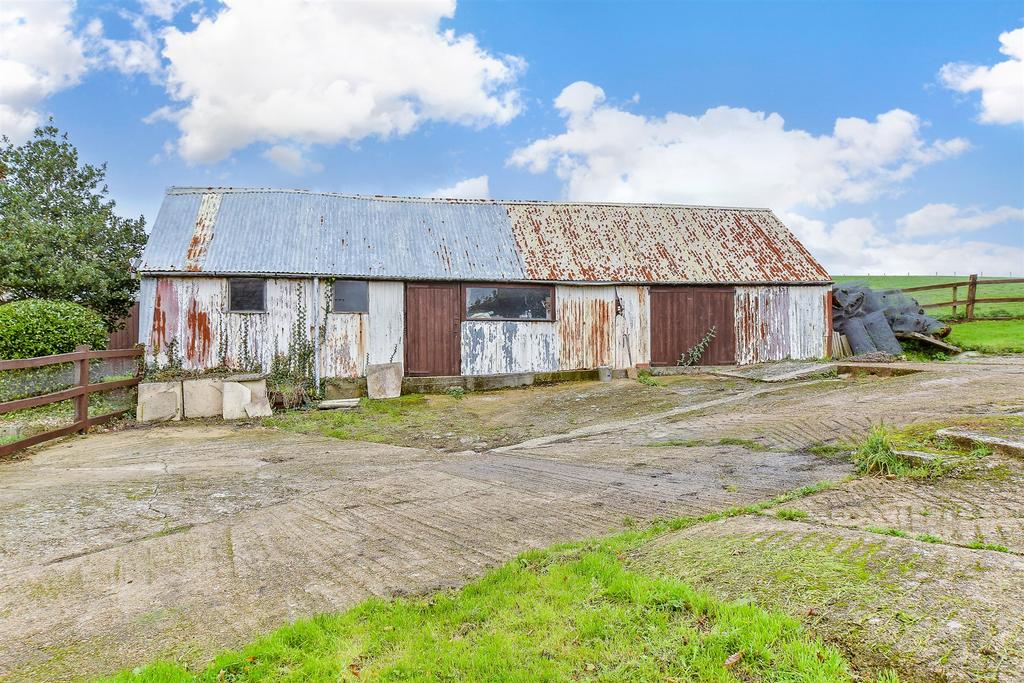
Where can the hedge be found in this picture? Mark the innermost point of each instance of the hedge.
(37, 327)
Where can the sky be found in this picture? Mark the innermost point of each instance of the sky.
(889, 136)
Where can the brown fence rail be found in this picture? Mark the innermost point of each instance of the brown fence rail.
(80, 392)
(972, 285)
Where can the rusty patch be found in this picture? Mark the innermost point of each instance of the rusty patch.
(165, 314)
(197, 335)
(202, 233)
(648, 244)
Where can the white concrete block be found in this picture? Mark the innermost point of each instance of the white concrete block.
(384, 380)
(246, 399)
(203, 397)
(159, 402)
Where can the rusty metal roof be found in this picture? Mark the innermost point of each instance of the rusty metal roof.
(293, 232)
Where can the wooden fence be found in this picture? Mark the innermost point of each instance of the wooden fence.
(80, 392)
(972, 298)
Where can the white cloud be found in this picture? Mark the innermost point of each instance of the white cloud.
(163, 9)
(329, 72)
(470, 188)
(130, 56)
(39, 55)
(948, 219)
(856, 246)
(292, 159)
(727, 156)
(1001, 86)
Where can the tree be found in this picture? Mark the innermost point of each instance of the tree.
(59, 236)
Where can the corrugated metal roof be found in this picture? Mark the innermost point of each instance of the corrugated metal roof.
(294, 232)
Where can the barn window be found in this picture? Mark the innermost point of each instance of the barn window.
(509, 303)
(351, 296)
(247, 295)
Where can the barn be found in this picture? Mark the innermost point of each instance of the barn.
(232, 277)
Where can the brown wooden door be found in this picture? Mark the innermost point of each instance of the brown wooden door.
(681, 316)
(433, 315)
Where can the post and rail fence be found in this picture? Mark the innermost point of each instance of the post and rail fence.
(79, 393)
(969, 302)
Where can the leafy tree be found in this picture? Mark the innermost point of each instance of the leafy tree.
(59, 236)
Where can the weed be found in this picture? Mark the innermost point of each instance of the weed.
(645, 377)
(887, 531)
(929, 538)
(456, 392)
(888, 676)
(790, 514)
(876, 455)
(746, 443)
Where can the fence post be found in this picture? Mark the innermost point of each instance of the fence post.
(954, 301)
(972, 290)
(82, 400)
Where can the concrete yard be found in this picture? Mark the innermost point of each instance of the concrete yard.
(181, 540)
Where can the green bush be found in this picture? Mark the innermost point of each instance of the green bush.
(36, 327)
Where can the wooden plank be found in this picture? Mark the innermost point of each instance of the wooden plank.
(42, 400)
(26, 363)
(972, 292)
(116, 353)
(965, 283)
(994, 300)
(7, 449)
(929, 340)
(82, 400)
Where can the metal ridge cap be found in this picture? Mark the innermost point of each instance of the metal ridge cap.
(186, 189)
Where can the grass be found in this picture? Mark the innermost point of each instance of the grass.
(887, 531)
(937, 295)
(790, 514)
(575, 611)
(672, 443)
(989, 336)
(982, 545)
(745, 443)
(881, 452)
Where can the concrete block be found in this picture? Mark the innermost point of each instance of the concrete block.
(245, 400)
(339, 404)
(384, 380)
(159, 402)
(203, 397)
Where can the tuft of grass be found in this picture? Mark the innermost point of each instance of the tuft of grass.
(746, 443)
(982, 545)
(887, 531)
(929, 538)
(573, 611)
(456, 392)
(671, 443)
(877, 455)
(790, 514)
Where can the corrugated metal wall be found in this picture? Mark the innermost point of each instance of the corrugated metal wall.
(775, 323)
(504, 347)
(190, 315)
(594, 326)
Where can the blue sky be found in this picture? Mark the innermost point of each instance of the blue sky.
(888, 135)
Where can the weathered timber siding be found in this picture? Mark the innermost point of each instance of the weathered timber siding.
(504, 347)
(586, 327)
(188, 317)
(775, 323)
(633, 327)
(387, 312)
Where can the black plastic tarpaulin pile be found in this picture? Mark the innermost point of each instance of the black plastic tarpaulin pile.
(871, 319)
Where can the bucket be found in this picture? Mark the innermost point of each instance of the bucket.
(604, 373)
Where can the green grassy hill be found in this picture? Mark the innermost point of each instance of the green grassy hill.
(936, 295)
